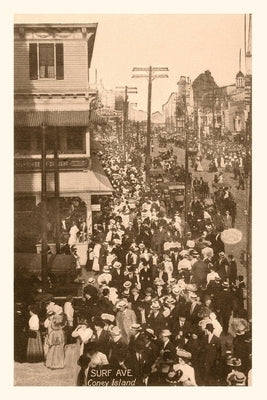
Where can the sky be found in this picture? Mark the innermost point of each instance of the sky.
(188, 44)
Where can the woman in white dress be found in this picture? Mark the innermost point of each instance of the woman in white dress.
(73, 234)
(96, 252)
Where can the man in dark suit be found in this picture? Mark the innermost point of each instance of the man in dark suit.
(166, 345)
(105, 305)
(210, 356)
(192, 310)
(222, 266)
(145, 276)
(200, 271)
(232, 269)
(175, 261)
(138, 362)
(135, 332)
(224, 302)
(102, 338)
(156, 320)
(181, 325)
(118, 349)
(117, 276)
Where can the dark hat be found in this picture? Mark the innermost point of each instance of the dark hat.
(90, 290)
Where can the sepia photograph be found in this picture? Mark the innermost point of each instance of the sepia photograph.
(132, 200)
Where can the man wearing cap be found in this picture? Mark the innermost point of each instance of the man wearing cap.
(125, 318)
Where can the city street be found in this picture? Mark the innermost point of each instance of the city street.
(132, 256)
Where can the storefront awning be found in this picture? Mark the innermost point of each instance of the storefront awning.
(92, 181)
(35, 118)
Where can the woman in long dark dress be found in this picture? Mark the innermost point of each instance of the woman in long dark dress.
(35, 347)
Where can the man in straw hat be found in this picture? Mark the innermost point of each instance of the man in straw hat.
(125, 318)
(118, 349)
(156, 320)
(235, 375)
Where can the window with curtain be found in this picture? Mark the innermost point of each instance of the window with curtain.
(49, 64)
(46, 60)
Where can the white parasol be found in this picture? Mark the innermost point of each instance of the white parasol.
(231, 236)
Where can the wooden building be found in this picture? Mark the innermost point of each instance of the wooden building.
(52, 92)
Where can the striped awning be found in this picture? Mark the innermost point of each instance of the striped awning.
(56, 118)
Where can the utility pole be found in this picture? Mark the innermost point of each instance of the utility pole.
(127, 90)
(150, 74)
(56, 177)
(44, 210)
(186, 175)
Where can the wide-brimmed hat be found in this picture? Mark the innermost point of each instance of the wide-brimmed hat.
(234, 362)
(191, 287)
(117, 265)
(107, 317)
(150, 334)
(136, 327)
(166, 332)
(121, 304)
(183, 353)
(106, 268)
(225, 284)
(169, 300)
(239, 378)
(190, 243)
(127, 284)
(192, 295)
(115, 331)
(155, 305)
(159, 282)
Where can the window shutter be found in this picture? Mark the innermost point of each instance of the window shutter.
(59, 61)
(33, 61)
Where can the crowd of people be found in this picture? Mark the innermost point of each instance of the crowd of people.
(163, 299)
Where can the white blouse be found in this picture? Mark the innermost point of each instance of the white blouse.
(34, 323)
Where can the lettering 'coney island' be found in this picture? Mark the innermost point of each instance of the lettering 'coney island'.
(121, 382)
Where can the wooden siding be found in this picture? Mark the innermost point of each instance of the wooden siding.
(75, 70)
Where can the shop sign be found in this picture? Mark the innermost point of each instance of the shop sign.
(31, 165)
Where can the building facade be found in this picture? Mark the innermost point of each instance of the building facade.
(52, 97)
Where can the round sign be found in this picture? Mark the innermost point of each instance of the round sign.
(231, 236)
